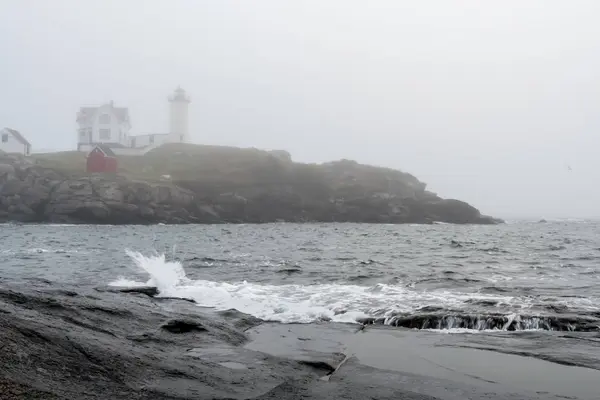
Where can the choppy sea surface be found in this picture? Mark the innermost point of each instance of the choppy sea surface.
(511, 277)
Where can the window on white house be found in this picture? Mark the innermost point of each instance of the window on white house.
(104, 133)
(5, 138)
(82, 132)
(104, 119)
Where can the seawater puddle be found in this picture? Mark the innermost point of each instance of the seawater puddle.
(426, 354)
(233, 365)
(419, 353)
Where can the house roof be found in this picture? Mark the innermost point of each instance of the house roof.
(111, 145)
(122, 113)
(105, 149)
(17, 135)
(148, 134)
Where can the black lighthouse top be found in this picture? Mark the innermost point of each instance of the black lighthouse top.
(179, 95)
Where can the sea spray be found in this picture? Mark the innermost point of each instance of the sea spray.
(165, 275)
(284, 303)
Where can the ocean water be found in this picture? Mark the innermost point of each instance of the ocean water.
(518, 276)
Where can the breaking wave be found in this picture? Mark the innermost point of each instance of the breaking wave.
(389, 304)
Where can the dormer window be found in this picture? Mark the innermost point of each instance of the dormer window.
(104, 119)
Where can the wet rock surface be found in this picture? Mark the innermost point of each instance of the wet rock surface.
(75, 343)
(458, 320)
(105, 345)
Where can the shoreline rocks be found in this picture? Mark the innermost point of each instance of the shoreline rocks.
(63, 342)
(342, 191)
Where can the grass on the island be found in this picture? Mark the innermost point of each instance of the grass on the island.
(220, 169)
(183, 162)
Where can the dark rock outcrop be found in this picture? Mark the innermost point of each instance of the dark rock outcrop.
(149, 291)
(183, 326)
(568, 323)
(32, 193)
(259, 188)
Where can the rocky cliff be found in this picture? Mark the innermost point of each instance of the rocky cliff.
(204, 184)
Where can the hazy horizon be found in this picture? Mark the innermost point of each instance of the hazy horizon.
(495, 103)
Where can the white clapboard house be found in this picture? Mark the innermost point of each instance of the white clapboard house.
(12, 141)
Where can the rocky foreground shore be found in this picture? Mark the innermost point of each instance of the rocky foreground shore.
(59, 342)
(202, 184)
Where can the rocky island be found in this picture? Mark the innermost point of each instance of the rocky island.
(182, 183)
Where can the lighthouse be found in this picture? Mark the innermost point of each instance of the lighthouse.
(179, 117)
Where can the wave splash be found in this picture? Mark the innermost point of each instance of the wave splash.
(165, 275)
(380, 304)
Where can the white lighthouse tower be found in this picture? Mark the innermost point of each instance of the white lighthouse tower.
(179, 117)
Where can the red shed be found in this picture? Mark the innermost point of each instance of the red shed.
(101, 159)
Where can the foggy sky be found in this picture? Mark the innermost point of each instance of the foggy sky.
(485, 101)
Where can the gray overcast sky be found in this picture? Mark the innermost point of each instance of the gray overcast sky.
(485, 101)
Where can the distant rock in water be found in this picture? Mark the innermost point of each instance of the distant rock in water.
(215, 184)
(292, 270)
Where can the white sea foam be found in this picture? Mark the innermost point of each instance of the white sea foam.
(294, 303)
(44, 250)
(307, 303)
(129, 283)
(39, 250)
(68, 225)
(471, 331)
